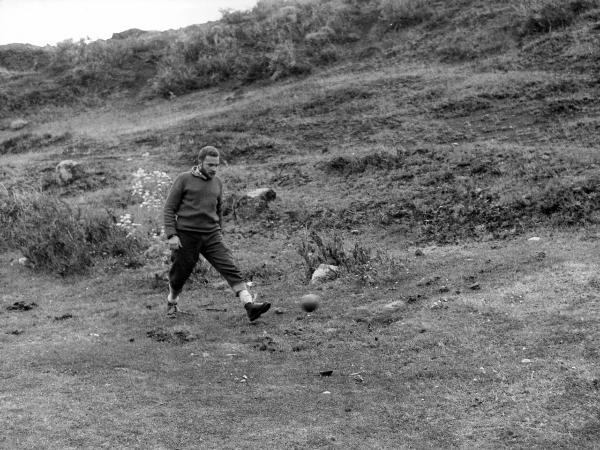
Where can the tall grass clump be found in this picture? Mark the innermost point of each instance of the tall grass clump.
(357, 261)
(58, 238)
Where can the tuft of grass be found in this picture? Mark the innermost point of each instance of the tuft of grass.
(27, 142)
(345, 165)
(403, 13)
(550, 15)
(358, 262)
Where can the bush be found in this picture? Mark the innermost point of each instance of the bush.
(57, 238)
(174, 78)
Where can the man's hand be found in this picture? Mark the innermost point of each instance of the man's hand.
(174, 242)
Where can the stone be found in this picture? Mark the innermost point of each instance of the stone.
(26, 262)
(68, 171)
(324, 273)
(253, 203)
(18, 124)
(265, 194)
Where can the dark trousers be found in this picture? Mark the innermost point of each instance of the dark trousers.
(209, 245)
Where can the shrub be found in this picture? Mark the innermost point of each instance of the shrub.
(57, 238)
(320, 37)
(284, 61)
(174, 78)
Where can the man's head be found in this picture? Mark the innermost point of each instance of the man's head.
(208, 160)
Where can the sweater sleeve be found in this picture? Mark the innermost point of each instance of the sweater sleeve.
(172, 205)
(220, 206)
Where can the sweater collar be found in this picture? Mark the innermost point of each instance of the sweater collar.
(197, 172)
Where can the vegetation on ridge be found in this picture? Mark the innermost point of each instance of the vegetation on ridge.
(277, 39)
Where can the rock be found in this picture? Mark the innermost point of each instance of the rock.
(357, 377)
(325, 272)
(68, 171)
(25, 262)
(253, 203)
(475, 287)
(264, 194)
(419, 252)
(393, 306)
(18, 124)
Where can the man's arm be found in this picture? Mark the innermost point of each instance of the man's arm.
(220, 208)
(171, 206)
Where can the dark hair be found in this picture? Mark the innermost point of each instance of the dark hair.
(209, 150)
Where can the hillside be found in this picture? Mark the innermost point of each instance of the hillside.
(442, 153)
(276, 40)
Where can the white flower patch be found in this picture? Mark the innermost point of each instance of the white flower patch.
(151, 188)
(126, 222)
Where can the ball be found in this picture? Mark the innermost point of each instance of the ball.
(310, 302)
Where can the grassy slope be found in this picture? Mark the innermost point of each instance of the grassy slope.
(441, 364)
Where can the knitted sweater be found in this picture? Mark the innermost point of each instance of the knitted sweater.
(194, 204)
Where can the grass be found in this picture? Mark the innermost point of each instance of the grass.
(117, 373)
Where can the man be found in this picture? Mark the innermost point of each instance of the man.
(193, 224)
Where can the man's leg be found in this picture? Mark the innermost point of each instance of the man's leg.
(183, 260)
(221, 258)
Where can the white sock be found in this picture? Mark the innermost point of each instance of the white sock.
(245, 296)
(172, 297)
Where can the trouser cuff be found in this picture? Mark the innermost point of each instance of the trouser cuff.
(238, 287)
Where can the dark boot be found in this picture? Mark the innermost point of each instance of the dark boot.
(255, 310)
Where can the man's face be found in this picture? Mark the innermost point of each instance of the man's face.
(210, 166)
